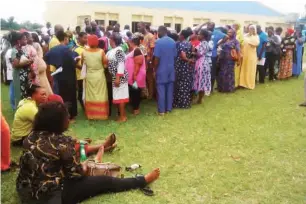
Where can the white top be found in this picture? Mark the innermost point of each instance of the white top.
(9, 66)
(279, 38)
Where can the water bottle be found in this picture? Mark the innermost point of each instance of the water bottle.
(82, 152)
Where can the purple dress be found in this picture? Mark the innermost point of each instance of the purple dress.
(226, 75)
(202, 75)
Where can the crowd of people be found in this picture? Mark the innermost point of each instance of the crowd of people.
(100, 67)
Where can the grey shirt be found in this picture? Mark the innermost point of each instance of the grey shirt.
(273, 44)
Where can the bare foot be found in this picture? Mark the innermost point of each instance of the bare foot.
(121, 119)
(72, 121)
(152, 176)
(136, 112)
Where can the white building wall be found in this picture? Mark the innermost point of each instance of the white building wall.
(66, 13)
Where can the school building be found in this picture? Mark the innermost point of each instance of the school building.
(177, 15)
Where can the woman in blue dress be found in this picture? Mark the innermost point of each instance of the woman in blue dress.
(226, 75)
(183, 72)
(297, 66)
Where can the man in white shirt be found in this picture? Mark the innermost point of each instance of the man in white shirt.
(9, 76)
(86, 23)
(126, 29)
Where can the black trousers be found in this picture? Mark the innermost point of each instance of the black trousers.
(214, 72)
(135, 97)
(80, 93)
(262, 73)
(77, 190)
(110, 96)
(269, 64)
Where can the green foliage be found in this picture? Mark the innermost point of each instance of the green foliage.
(245, 147)
(11, 24)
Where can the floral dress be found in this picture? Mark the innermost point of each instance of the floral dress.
(21, 79)
(287, 58)
(202, 76)
(116, 60)
(183, 74)
(226, 74)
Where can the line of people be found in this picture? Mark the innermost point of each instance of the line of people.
(101, 68)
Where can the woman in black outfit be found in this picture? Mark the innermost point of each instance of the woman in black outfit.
(50, 171)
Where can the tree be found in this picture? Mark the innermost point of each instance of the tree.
(10, 24)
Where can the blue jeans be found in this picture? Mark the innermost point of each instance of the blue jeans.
(12, 95)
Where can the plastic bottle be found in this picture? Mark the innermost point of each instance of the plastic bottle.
(82, 152)
(133, 167)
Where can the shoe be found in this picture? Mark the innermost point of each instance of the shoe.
(303, 104)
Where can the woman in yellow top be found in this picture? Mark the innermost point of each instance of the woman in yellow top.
(25, 113)
(239, 37)
(249, 61)
(96, 96)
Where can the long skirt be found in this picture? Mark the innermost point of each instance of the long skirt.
(5, 145)
(237, 74)
(182, 86)
(202, 76)
(96, 96)
(226, 76)
(286, 63)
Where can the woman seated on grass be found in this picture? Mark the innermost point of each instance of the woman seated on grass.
(25, 113)
(50, 171)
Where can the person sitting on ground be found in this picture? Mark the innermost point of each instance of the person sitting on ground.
(25, 113)
(59, 175)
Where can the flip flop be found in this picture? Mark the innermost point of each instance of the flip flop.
(147, 191)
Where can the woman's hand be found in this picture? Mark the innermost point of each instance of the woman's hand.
(84, 166)
(117, 82)
(30, 61)
(134, 77)
(191, 61)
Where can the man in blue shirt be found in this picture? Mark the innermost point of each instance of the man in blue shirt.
(164, 55)
(215, 37)
(261, 53)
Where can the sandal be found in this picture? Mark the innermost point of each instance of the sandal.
(111, 148)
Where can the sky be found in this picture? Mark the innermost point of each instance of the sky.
(32, 10)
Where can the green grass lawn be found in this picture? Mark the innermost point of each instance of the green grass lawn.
(246, 147)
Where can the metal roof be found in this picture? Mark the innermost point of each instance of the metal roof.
(239, 7)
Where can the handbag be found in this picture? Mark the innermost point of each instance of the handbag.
(234, 54)
(103, 169)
